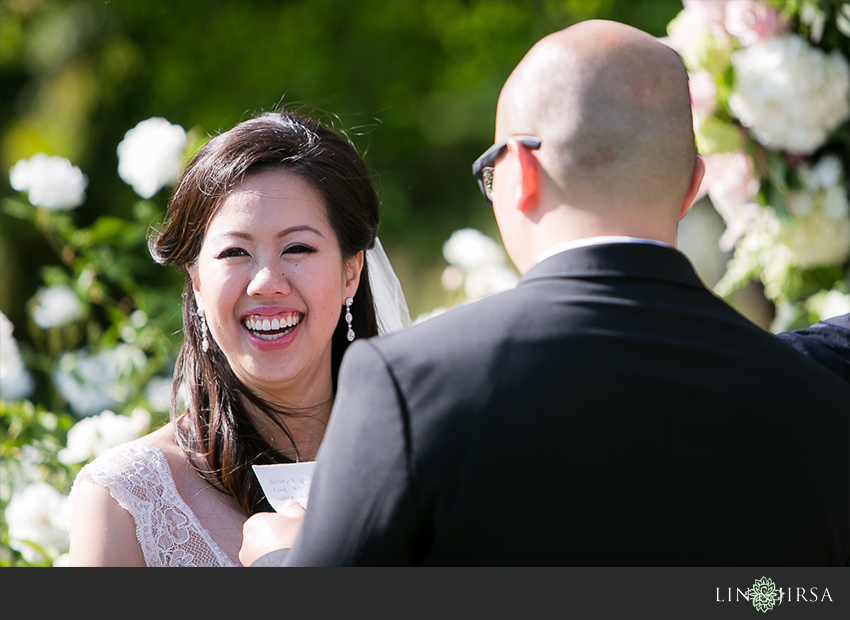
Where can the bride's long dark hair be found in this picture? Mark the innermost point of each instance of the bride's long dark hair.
(220, 440)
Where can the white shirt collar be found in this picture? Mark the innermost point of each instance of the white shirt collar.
(581, 243)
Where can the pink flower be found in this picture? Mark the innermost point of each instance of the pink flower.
(703, 95)
(711, 13)
(751, 21)
(697, 33)
(732, 186)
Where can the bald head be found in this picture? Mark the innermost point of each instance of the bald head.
(612, 108)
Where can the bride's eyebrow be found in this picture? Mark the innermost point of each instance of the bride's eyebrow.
(281, 234)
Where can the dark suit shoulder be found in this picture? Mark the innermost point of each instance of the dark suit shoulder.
(273, 559)
(826, 342)
(445, 333)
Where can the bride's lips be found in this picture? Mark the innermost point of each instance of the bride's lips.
(271, 328)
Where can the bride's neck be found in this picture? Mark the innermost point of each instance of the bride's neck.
(305, 426)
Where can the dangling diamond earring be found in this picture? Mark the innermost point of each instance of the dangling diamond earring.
(348, 318)
(205, 344)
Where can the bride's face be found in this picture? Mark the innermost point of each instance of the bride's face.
(272, 282)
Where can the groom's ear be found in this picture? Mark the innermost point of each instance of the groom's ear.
(527, 189)
(693, 189)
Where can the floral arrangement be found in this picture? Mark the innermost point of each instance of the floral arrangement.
(97, 371)
(770, 88)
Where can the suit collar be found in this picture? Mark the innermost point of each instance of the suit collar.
(614, 260)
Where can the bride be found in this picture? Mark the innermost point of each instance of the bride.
(275, 222)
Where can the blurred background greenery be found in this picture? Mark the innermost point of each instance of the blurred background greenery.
(414, 83)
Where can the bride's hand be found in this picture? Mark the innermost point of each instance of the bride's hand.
(269, 531)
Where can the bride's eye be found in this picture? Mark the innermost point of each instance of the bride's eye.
(231, 253)
(299, 248)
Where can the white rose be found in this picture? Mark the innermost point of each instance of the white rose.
(470, 249)
(63, 561)
(151, 155)
(452, 278)
(56, 306)
(51, 182)
(785, 315)
(91, 437)
(23, 466)
(842, 19)
(488, 280)
(37, 514)
(814, 17)
(759, 253)
(819, 234)
(816, 233)
(697, 33)
(751, 21)
(94, 382)
(825, 174)
(789, 94)
(15, 380)
(829, 304)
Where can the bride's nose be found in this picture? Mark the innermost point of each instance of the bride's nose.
(269, 281)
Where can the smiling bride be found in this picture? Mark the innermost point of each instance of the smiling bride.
(275, 224)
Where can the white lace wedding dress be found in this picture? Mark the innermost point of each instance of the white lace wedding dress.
(139, 479)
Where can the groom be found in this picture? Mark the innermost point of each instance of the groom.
(609, 410)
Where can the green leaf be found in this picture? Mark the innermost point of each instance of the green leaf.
(718, 136)
(107, 229)
(18, 209)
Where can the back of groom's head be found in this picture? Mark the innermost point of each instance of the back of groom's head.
(611, 106)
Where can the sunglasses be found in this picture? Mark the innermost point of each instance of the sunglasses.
(482, 168)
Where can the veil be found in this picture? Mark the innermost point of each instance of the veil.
(390, 303)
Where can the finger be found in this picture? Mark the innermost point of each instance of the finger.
(291, 508)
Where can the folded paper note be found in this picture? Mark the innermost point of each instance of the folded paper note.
(284, 481)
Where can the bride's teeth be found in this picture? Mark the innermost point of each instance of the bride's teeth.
(259, 325)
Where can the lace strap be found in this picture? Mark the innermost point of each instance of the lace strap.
(138, 477)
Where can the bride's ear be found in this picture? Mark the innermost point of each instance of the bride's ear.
(196, 288)
(353, 268)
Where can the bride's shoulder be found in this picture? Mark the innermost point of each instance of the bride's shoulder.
(162, 439)
(181, 471)
(151, 453)
(121, 460)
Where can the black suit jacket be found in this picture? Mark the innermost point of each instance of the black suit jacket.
(827, 342)
(608, 411)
